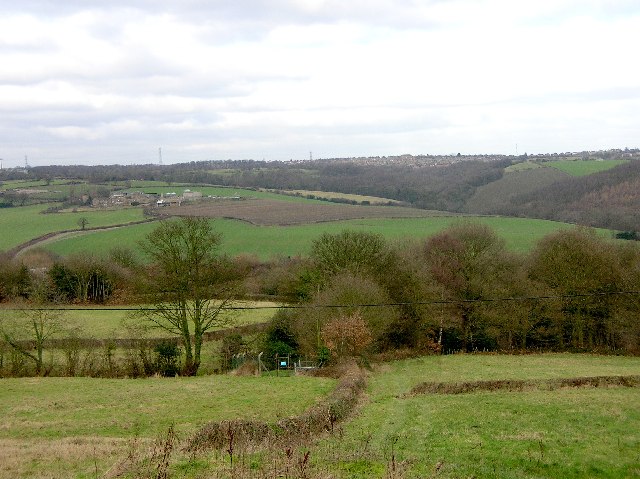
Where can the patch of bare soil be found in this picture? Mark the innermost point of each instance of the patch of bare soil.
(265, 212)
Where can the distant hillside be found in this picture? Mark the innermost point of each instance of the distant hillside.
(523, 186)
(608, 199)
(498, 196)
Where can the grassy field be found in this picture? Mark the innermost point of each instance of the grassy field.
(76, 427)
(269, 241)
(584, 167)
(56, 190)
(80, 427)
(97, 323)
(35, 184)
(564, 433)
(25, 223)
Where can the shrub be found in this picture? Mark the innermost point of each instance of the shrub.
(168, 358)
(280, 338)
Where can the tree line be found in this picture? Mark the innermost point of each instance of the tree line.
(357, 293)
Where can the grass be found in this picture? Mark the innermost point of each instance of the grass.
(99, 323)
(22, 224)
(268, 241)
(568, 433)
(81, 427)
(399, 377)
(584, 167)
(55, 408)
(26, 222)
(77, 427)
(563, 433)
(54, 184)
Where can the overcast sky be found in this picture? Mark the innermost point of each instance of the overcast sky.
(102, 82)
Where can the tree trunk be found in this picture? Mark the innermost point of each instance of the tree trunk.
(186, 342)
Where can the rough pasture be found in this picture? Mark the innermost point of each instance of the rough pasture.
(266, 212)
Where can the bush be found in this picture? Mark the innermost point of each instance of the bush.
(15, 280)
(280, 338)
(168, 358)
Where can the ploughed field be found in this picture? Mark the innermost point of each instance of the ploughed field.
(271, 212)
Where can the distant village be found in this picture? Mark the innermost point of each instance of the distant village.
(445, 160)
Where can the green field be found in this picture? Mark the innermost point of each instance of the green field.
(62, 407)
(563, 433)
(219, 191)
(269, 241)
(27, 222)
(584, 167)
(80, 427)
(111, 323)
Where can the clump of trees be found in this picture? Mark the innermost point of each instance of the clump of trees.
(462, 290)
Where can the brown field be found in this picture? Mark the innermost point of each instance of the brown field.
(266, 212)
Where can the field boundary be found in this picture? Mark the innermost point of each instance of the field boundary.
(130, 343)
(517, 385)
(320, 418)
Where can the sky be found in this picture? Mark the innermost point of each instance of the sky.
(113, 82)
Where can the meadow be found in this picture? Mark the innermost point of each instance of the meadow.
(239, 237)
(115, 322)
(584, 167)
(80, 427)
(562, 433)
(266, 242)
(28, 222)
(591, 432)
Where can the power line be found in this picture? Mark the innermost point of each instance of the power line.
(359, 305)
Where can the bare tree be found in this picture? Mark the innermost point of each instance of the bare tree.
(83, 222)
(189, 284)
(28, 331)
